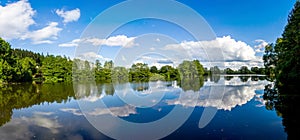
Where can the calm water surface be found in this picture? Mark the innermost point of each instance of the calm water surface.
(55, 111)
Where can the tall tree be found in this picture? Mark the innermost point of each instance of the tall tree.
(287, 50)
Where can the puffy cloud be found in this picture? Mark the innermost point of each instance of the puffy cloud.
(15, 18)
(232, 51)
(69, 16)
(261, 46)
(91, 56)
(154, 60)
(73, 43)
(44, 35)
(119, 40)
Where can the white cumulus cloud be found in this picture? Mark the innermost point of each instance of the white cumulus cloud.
(69, 16)
(44, 35)
(15, 18)
(261, 45)
(93, 56)
(233, 52)
(119, 40)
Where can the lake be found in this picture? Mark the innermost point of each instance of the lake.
(221, 107)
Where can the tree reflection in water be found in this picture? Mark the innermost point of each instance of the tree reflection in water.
(285, 100)
(26, 95)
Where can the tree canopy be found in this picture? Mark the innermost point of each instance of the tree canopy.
(282, 59)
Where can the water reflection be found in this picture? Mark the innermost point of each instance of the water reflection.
(193, 84)
(237, 92)
(228, 78)
(121, 111)
(285, 100)
(244, 78)
(49, 125)
(140, 86)
(56, 115)
(26, 95)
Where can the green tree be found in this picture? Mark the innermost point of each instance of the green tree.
(244, 70)
(5, 56)
(5, 51)
(153, 69)
(169, 72)
(57, 69)
(139, 72)
(255, 70)
(229, 71)
(270, 59)
(98, 66)
(188, 69)
(108, 64)
(287, 50)
(199, 67)
(25, 68)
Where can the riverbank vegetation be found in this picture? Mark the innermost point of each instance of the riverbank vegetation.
(282, 62)
(18, 65)
(282, 58)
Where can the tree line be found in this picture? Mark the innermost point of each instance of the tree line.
(18, 65)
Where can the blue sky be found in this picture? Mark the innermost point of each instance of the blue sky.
(52, 26)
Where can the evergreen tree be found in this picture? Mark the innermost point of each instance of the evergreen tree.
(287, 50)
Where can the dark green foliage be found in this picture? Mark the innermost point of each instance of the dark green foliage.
(18, 53)
(153, 69)
(56, 69)
(282, 60)
(229, 71)
(24, 66)
(244, 70)
(288, 50)
(26, 95)
(14, 68)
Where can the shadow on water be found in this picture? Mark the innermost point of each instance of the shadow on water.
(285, 100)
